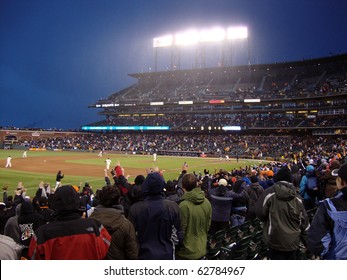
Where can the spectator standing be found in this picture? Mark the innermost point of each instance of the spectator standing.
(85, 197)
(11, 226)
(121, 182)
(9, 249)
(206, 181)
(135, 193)
(240, 203)
(285, 220)
(7, 208)
(3, 217)
(156, 221)
(110, 213)
(296, 175)
(28, 222)
(262, 179)
(173, 192)
(269, 179)
(309, 200)
(44, 209)
(327, 235)
(220, 198)
(69, 237)
(328, 181)
(196, 212)
(254, 191)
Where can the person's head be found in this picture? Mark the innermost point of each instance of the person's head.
(170, 187)
(43, 201)
(222, 182)
(309, 168)
(254, 179)
(9, 202)
(139, 180)
(221, 190)
(189, 182)
(269, 174)
(26, 208)
(284, 174)
(153, 184)
(109, 196)
(239, 185)
(295, 168)
(341, 174)
(335, 164)
(66, 200)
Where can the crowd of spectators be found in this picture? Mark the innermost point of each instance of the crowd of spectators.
(157, 219)
(217, 120)
(214, 144)
(228, 84)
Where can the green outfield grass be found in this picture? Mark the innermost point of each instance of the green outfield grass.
(171, 165)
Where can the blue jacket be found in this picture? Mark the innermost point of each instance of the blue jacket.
(326, 237)
(221, 203)
(154, 219)
(303, 184)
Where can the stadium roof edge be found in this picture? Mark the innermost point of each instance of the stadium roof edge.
(313, 61)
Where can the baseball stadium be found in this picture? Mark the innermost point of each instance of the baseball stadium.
(230, 128)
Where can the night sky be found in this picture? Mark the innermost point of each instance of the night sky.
(57, 57)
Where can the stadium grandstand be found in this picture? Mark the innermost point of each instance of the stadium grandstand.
(305, 97)
(252, 111)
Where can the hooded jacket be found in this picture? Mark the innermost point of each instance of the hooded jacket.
(155, 220)
(124, 244)
(328, 183)
(303, 184)
(196, 215)
(69, 237)
(284, 216)
(254, 192)
(11, 227)
(327, 235)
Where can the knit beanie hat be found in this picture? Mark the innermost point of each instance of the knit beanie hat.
(26, 208)
(284, 174)
(153, 184)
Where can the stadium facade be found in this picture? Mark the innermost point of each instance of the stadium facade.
(305, 97)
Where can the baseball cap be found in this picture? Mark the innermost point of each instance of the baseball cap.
(341, 172)
(223, 182)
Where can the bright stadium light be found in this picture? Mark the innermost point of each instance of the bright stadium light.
(231, 127)
(212, 35)
(200, 38)
(190, 37)
(237, 33)
(164, 41)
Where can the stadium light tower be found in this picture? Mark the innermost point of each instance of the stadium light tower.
(197, 37)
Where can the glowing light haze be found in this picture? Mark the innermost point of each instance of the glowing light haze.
(191, 37)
